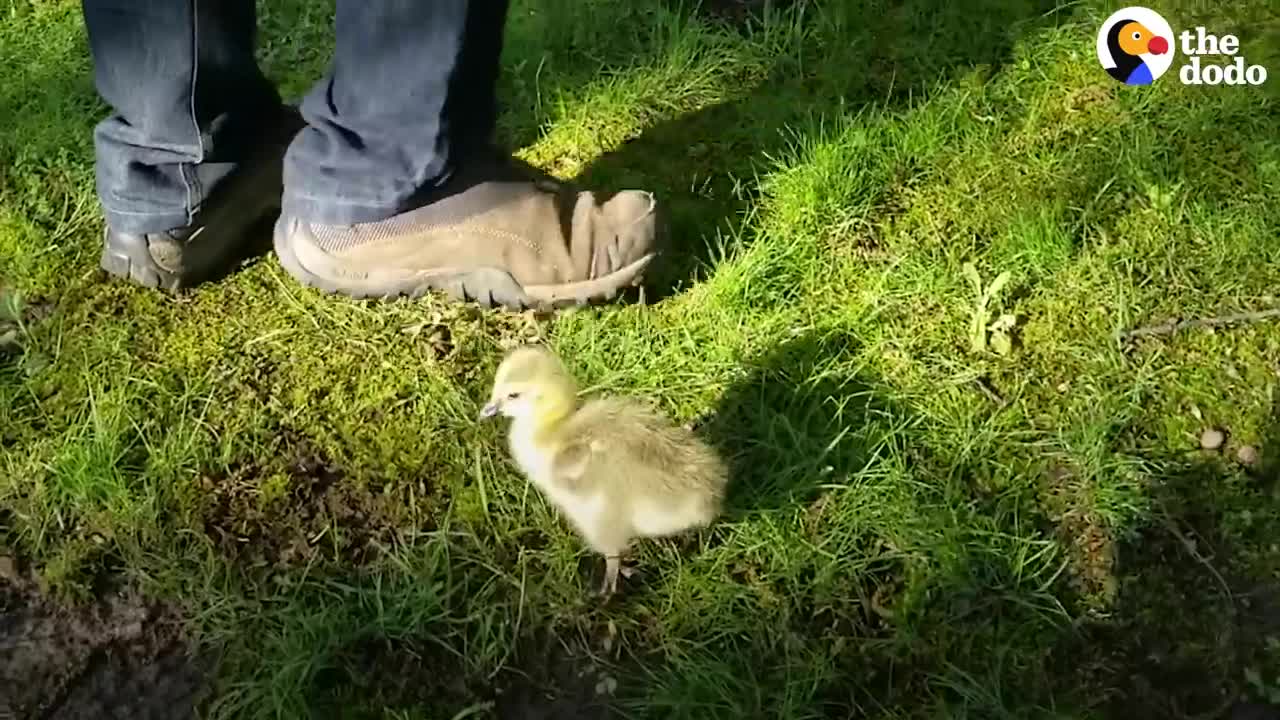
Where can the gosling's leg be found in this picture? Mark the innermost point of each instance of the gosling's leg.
(612, 563)
(613, 567)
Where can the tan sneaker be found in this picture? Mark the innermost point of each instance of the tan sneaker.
(511, 241)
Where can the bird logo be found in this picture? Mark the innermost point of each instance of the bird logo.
(1136, 46)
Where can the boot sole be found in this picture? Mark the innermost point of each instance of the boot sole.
(247, 202)
(488, 286)
(130, 257)
(133, 261)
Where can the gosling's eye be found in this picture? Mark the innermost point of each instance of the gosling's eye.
(1137, 36)
(513, 395)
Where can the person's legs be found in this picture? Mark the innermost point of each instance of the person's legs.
(191, 131)
(376, 130)
(391, 189)
(472, 105)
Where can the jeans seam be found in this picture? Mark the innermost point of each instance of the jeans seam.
(139, 213)
(188, 175)
(339, 201)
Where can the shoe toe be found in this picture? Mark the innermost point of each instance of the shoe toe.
(633, 217)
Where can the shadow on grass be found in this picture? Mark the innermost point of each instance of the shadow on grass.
(883, 53)
(797, 420)
(381, 673)
(1198, 603)
(257, 245)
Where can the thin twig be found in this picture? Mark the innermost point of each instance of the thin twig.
(1190, 547)
(992, 394)
(1174, 326)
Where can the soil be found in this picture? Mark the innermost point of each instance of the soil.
(544, 681)
(117, 657)
(740, 11)
(319, 514)
(1091, 550)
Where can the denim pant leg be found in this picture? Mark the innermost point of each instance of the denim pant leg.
(187, 97)
(412, 86)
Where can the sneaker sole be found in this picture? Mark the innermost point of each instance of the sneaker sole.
(489, 287)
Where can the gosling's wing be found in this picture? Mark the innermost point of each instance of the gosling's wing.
(594, 446)
(572, 464)
(622, 443)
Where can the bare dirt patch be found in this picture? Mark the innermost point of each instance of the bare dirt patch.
(740, 11)
(120, 656)
(318, 513)
(1090, 548)
(545, 680)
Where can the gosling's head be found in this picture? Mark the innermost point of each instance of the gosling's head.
(531, 384)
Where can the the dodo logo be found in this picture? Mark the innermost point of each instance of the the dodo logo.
(1136, 46)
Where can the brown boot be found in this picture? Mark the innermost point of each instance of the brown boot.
(493, 235)
(185, 256)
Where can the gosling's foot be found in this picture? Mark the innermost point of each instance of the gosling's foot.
(613, 567)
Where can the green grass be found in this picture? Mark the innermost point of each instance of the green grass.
(916, 529)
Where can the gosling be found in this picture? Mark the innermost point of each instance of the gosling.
(615, 468)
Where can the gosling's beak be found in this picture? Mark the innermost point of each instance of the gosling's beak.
(1158, 46)
(489, 410)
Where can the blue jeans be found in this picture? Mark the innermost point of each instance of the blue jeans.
(411, 88)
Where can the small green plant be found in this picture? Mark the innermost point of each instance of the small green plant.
(1000, 340)
(15, 332)
(1162, 198)
(11, 306)
(1264, 688)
